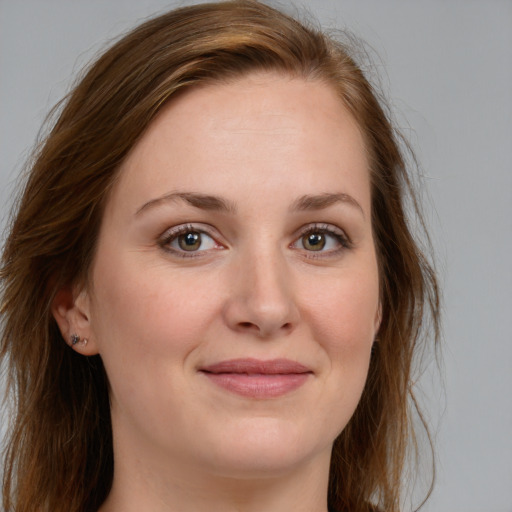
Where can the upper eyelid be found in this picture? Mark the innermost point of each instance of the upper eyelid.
(189, 226)
(344, 241)
(214, 233)
(209, 229)
(324, 227)
(321, 226)
(171, 234)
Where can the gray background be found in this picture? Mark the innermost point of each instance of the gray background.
(447, 68)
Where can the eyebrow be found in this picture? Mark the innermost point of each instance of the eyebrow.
(201, 201)
(322, 201)
(215, 203)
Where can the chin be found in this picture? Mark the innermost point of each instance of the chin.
(265, 447)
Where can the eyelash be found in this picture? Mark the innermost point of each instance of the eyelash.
(172, 234)
(324, 229)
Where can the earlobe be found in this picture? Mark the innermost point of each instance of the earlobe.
(71, 311)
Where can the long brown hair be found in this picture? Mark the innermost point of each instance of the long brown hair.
(59, 454)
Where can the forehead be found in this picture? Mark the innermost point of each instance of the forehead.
(264, 128)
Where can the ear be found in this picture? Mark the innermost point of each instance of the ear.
(71, 310)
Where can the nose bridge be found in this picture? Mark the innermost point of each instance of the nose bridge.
(269, 279)
(263, 300)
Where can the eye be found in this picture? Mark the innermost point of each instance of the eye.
(322, 239)
(188, 239)
(314, 241)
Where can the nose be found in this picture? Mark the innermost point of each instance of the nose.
(262, 301)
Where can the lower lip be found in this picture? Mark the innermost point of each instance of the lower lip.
(258, 385)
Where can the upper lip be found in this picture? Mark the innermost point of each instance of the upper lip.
(257, 366)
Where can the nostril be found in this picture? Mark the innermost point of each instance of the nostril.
(249, 325)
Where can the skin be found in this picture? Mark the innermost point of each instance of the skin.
(254, 288)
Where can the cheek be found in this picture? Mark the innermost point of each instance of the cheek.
(148, 312)
(343, 320)
(344, 316)
(146, 324)
(341, 317)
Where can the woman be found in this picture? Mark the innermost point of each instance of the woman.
(211, 297)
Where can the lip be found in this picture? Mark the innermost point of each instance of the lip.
(256, 378)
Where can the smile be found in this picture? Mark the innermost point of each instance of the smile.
(254, 378)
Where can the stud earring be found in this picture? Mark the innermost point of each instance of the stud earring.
(76, 339)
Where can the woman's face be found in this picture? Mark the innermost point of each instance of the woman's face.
(234, 297)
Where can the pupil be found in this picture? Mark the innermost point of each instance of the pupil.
(190, 241)
(315, 241)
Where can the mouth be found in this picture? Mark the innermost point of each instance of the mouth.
(254, 378)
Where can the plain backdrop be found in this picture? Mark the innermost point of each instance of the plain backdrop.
(446, 66)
